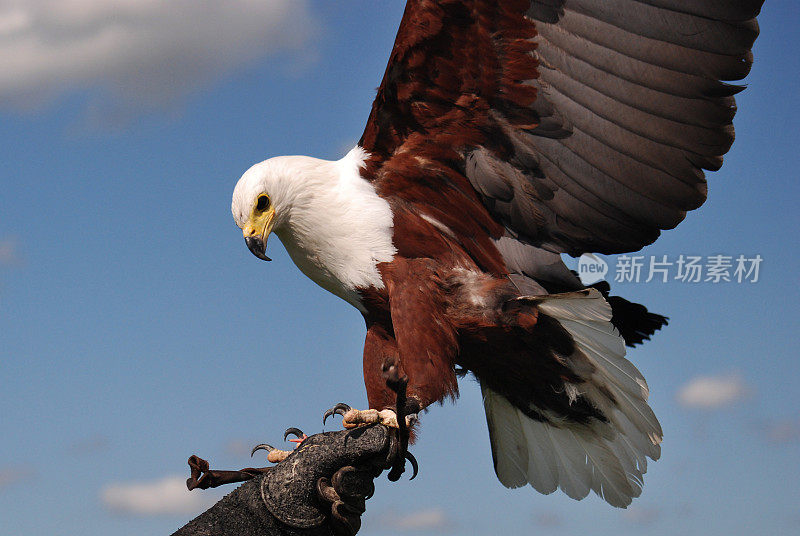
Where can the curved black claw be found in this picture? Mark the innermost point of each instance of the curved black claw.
(414, 466)
(262, 446)
(297, 432)
(339, 409)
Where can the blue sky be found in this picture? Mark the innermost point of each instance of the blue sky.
(136, 329)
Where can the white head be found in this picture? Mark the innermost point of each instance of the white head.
(331, 221)
(268, 192)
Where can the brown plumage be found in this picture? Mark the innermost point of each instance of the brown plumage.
(459, 98)
(506, 133)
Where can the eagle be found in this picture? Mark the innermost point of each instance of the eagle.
(504, 134)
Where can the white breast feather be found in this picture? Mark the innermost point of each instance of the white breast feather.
(339, 228)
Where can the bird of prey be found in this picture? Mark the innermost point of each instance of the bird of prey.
(505, 133)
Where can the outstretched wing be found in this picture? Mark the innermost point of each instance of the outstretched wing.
(560, 125)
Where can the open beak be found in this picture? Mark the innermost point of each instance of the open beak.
(256, 232)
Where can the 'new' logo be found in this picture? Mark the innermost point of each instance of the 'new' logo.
(591, 269)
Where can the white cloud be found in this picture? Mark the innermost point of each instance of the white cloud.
(430, 519)
(137, 54)
(712, 392)
(167, 496)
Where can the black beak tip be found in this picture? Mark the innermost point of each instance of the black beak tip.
(257, 247)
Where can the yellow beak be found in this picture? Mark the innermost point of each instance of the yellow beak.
(256, 232)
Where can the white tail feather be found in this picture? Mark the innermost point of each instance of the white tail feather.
(542, 461)
(606, 457)
(507, 433)
(574, 475)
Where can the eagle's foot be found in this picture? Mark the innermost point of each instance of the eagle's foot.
(402, 420)
(277, 455)
(354, 418)
(298, 433)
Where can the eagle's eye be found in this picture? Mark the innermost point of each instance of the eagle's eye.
(262, 203)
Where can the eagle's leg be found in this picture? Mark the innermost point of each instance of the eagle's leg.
(381, 363)
(392, 398)
(398, 383)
